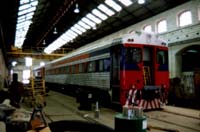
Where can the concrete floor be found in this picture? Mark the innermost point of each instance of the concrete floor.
(62, 107)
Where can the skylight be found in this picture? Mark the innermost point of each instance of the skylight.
(76, 30)
(80, 28)
(84, 25)
(126, 2)
(99, 14)
(93, 18)
(106, 10)
(89, 22)
(114, 5)
(25, 14)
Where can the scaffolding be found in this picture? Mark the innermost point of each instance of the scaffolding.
(35, 91)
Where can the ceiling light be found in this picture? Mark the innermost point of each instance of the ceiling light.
(55, 31)
(44, 42)
(14, 63)
(42, 63)
(141, 1)
(76, 10)
(126, 2)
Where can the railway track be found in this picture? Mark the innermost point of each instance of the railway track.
(173, 121)
(159, 121)
(70, 107)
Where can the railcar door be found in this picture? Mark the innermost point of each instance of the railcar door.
(115, 72)
(148, 65)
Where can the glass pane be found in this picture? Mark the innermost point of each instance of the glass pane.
(185, 18)
(133, 55)
(162, 26)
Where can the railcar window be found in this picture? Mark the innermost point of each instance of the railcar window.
(100, 65)
(80, 68)
(133, 55)
(162, 57)
(91, 66)
(106, 64)
(73, 69)
(67, 69)
(85, 67)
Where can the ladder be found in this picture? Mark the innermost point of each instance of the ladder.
(147, 76)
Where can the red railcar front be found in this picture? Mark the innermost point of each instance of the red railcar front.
(143, 66)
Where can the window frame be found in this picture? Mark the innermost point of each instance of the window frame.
(145, 26)
(157, 25)
(179, 18)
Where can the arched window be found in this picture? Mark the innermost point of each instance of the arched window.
(185, 18)
(162, 26)
(147, 28)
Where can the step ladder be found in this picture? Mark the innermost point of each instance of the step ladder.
(147, 75)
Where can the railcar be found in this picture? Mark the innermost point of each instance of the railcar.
(107, 68)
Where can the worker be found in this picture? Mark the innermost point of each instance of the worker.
(15, 91)
(131, 98)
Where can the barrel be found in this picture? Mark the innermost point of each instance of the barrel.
(127, 124)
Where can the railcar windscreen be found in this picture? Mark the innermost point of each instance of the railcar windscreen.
(133, 55)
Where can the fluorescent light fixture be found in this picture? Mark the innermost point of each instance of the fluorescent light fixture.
(105, 9)
(141, 1)
(126, 2)
(80, 28)
(90, 23)
(93, 18)
(83, 24)
(102, 16)
(114, 5)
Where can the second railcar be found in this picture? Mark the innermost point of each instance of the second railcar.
(107, 69)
